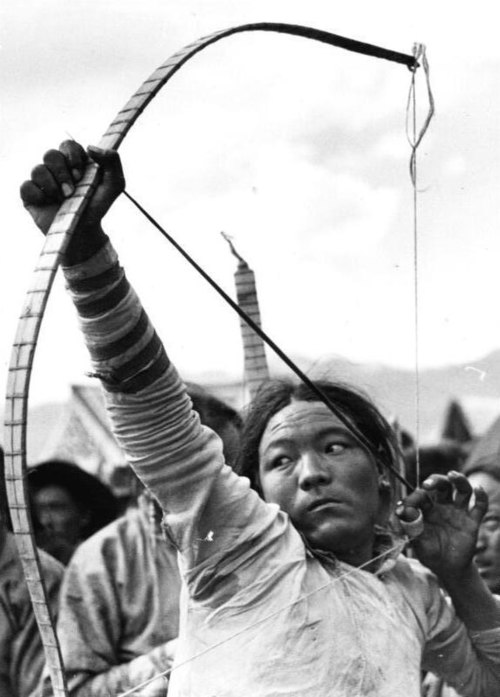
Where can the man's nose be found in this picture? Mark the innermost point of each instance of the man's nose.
(313, 471)
(45, 517)
(482, 540)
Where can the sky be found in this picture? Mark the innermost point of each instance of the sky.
(297, 150)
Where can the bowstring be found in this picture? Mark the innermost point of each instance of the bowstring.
(414, 140)
(419, 52)
(412, 108)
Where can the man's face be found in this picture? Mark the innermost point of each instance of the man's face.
(488, 543)
(60, 521)
(312, 466)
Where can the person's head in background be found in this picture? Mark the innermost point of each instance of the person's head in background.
(486, 474)
(68, 505)
(220, 417)
(434, 459)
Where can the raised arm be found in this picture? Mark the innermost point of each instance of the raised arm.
(207, 505)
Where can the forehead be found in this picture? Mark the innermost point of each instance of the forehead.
(53, 493)
(489, 484)
(299, 419)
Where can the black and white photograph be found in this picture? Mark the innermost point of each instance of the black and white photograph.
(250, 350)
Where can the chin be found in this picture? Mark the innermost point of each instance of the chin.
(337, 541)
(494, 585)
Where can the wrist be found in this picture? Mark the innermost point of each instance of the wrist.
(472, 600)
(458, 579)
(84, 244)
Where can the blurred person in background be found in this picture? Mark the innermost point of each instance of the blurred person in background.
(484, 473)
(68, 505)
(488, 545)
(119, 615)
(21, 652)
(440, 458)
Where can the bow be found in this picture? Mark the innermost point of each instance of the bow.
(57, 239)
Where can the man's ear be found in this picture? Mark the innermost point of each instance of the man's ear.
(385, 495)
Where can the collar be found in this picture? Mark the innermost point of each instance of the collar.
(388, 545)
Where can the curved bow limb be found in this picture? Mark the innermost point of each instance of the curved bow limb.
(30, 321)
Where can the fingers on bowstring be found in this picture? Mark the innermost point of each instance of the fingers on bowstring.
(419, 500)
(410, 514)
(462, 489)
(480, 505)
(453, 489)
(439, 487)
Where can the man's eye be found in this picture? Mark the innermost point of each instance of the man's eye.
(280, 461)
(335, 448)
(491, 524)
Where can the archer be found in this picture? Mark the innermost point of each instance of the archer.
(293, 575)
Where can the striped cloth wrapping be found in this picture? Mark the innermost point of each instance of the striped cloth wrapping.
(127, 355)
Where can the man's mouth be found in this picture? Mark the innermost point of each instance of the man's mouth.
(482, 566)
(320, 504)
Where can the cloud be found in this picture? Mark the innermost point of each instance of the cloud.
(295, 149)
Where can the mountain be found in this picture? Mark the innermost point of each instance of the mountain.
(475, 387)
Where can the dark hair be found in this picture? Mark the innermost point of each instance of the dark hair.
(213, 411)
(87, 491)
(218, 416)
(356, 407)
(434, 459)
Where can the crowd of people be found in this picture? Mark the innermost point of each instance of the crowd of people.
(268, 553)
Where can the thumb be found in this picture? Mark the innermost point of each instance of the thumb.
(110, 167)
